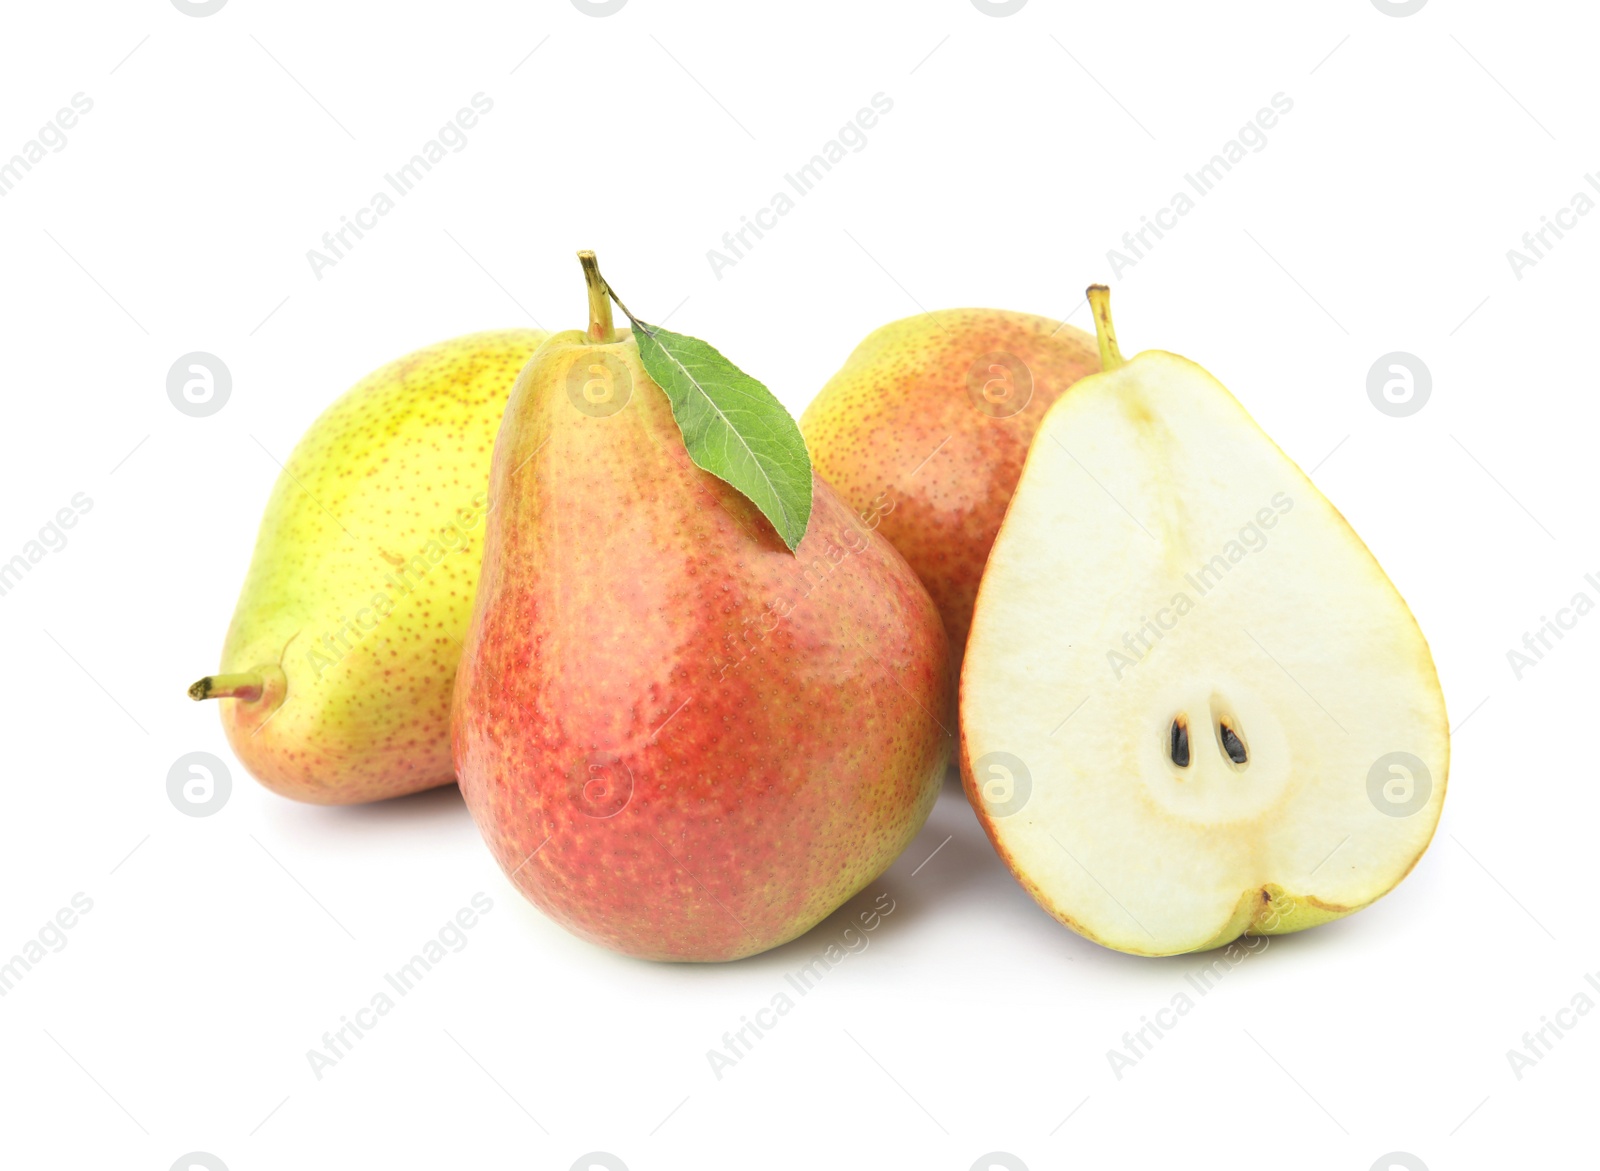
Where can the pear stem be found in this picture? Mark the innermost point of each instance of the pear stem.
(600, 328)
(1105, 333)
(246, 686)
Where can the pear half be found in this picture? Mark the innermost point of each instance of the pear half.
(1193, 707)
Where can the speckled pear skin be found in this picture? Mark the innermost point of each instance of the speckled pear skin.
(680, 740)
(364, 572)
(900, 434)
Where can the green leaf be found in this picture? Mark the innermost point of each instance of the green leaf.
(733, 426)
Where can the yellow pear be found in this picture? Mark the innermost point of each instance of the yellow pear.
(339, 664)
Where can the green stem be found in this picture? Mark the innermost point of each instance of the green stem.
(246, 686)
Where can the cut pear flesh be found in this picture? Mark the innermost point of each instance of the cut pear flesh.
(1193, 706)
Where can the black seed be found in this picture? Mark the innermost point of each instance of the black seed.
(1180, 742)
(1233, 745)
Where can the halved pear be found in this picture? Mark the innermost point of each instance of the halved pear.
(1193, 707)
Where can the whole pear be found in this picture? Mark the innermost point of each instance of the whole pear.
(681, 740)
(340, 660)
(925, 428)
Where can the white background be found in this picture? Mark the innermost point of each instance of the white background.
(1019, 149)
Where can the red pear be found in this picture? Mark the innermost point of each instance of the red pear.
(681, 740)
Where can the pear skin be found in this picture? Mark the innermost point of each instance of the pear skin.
(925, 428)
(681, 740)
(339, 663)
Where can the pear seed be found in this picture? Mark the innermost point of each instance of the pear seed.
(1180, 742)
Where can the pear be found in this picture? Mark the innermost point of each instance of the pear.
(925, 428)
(1193, 707)
(679, 739)
(339, 663)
